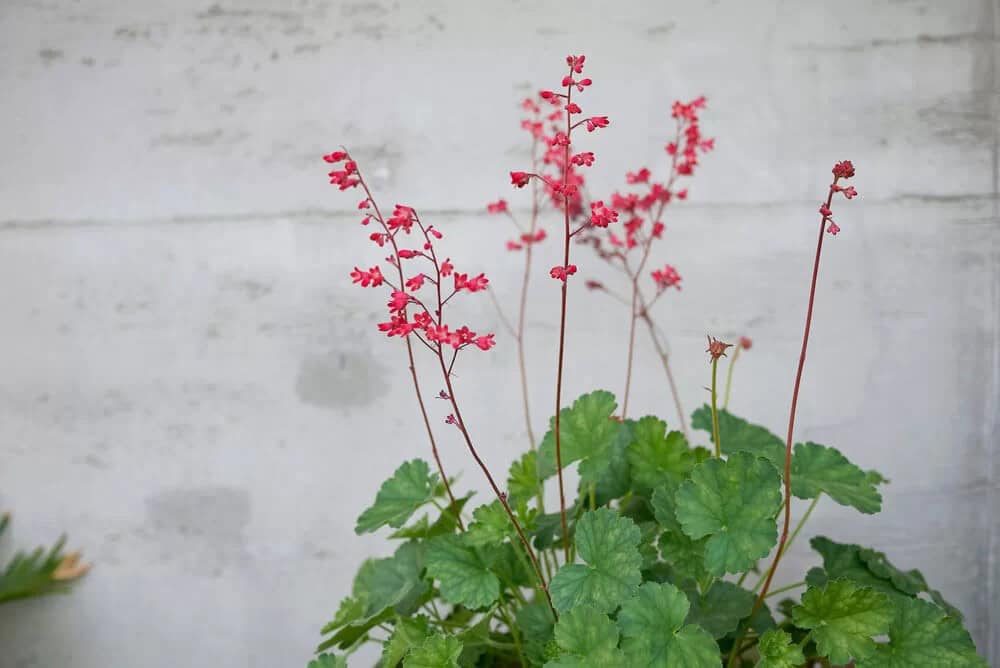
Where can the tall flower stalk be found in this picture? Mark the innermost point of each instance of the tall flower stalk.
(568, 190)
(842, 170)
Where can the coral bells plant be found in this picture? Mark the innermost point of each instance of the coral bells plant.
(665, 551)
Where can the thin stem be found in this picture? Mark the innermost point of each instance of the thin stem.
(782, 590)
(664, 357)
(562, 326)
(446, 375)
(523, 305)
(715, 412)
(729, 377)
(798, 528)
(631, 347)
(412, 364)
(791, 417)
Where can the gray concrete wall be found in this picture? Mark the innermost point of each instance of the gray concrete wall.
(191, 388)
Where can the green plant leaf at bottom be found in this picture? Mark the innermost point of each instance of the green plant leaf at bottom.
(654, 633)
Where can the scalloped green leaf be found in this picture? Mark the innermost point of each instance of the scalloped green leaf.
(608, 544)
(408, 633)
(588, 639)
(684, 555)
(393, 582)
(464, 574)
(328, 661)
(720, 609)
(844, 617)
(616, 479)
(409, 488)
(734, 503)
(536, 625)
(654, 632)
(655, 456)
(523, 483)
(778, 651)
(738, 435)
(871, 568)
(438, 651)
(587, 431)
(490, 526)
(817, 469)
(922, 635)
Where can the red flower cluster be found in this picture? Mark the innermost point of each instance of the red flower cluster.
(841, 170)
(667, 278)
(526, 239)
(562, 273)
(427, 320)
(344, 178)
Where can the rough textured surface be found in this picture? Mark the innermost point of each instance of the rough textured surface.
(191, 389)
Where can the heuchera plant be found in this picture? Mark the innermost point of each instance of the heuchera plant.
(665, 553)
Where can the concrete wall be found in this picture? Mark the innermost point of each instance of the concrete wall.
(190, 387)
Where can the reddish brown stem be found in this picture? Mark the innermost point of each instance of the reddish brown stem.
(522, 307)
(664, 357)
(413, 369)
(446, 375)
(791, 425)
(562, 325)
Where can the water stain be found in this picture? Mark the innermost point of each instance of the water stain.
(340, 380)
(200, 527)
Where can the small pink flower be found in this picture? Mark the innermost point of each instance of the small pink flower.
(600, 215)
(562, 273)
(850, 192)
(667, 278)
(336, 156)
(514, 246)
(485, 342)
(833, 228)
(379, 238)
(364, 204)
(843, 169)
(415, 282)
(595, 122)
(371, 278)
(585, 159)
(745, 343)
(573, 108)
(450, 420)
(399, 301)
(825, 211)
(519, 179)
(408, 254)
(576, 63)
(642, 176)
(499, 206)
(447, 267)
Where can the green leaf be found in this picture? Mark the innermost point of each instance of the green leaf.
(490, 526)
(536, 625)
(686, 556)
(523, 482)
(438, 651)
(655, 457)
(408, 633)
(588, 639)
(394, 582)
(734, 502)
(328, 661)
(587, 431)
(870, 568)
(843, 618)
(351, 610)
(608, 543)
(654, 633)
(464, 575)
(616, 480)
(817, 469)
(738, 435)
(411, 486)
(777, 651)
(922, 635)
(720, 609)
